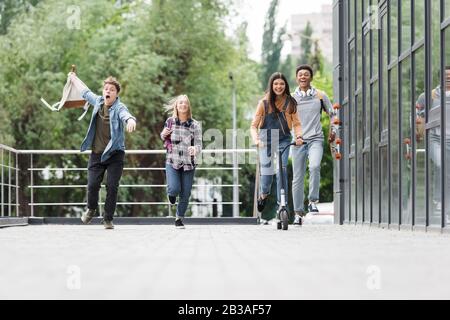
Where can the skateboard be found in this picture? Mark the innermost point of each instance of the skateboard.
(333, 139)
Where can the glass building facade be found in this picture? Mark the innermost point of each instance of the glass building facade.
(392, 79)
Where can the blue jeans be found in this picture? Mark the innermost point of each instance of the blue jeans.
(179, 182)
(313, 151)
(268, 167)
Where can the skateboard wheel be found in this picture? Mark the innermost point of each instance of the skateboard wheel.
(338, 156)
(338, 141)
(407, 141)
(336, 121)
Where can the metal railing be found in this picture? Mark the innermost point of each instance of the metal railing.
(9, 182)
(33, 186)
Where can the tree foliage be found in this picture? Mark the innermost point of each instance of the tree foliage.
(157, 50)
(306, 43)
(11, 8)
(272, 44)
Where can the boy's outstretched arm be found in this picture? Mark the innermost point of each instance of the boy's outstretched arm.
(126, 117)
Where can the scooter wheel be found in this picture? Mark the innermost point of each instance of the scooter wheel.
(284, 217)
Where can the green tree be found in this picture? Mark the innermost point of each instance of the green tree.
(272, 44)
(306, 43)
(157, 50)
(11, 8)
(288, 69)
(317, 60)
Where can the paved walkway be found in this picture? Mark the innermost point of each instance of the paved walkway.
(222, 262)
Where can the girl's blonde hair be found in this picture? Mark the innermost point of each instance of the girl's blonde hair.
(171, 106)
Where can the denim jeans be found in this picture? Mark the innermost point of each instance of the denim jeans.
(313, 151)
(179, 182)
(269, 167)
(96, 171)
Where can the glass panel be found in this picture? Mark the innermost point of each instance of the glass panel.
(351, 16)
(366, 128)
(367, 189)
(352, 95)
(359, 45)
(366, 8)
(406, 24)
(419, 97)
(434, 134)
(393, 32)
(419, 19)
(352, 192)
(447, 8)
(447, 120)
(394, 143)
(346, 69)
(406, 151)
(384, 117)
(348, 195)
(376, 140)
(434, 180)
(384, 185)
(360, 165)
(435, 43)
(374, 52)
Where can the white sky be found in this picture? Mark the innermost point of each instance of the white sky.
(254, 11)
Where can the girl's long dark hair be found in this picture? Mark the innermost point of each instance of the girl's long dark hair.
(292, 106)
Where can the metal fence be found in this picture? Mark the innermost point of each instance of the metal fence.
(37, 169)
(9, 182)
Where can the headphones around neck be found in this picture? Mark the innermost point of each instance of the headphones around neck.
(308, 93)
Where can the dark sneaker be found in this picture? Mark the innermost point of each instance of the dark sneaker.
(312, 208)
(88, 215)
(172, 199)
(179, 224)
(298, 220)
(261, 203)
(108, 224)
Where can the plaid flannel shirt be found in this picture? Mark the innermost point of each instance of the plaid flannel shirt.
(183, 136)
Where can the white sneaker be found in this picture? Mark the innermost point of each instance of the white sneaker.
(312, 208)
(298, 220)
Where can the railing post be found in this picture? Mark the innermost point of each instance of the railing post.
(235, 156)
(100, 210)
(17, 185)
(9, 184)
(235, 181)
(3, 195)
(31, 186)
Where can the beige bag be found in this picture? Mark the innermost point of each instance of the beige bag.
(71, 98)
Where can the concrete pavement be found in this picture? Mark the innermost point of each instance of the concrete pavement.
(222, 262)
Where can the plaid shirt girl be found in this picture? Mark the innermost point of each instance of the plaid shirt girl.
(184, 135)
